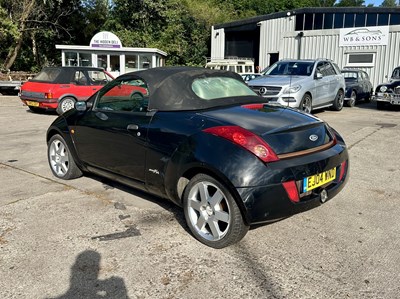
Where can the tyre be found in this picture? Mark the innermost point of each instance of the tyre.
(65, 104)
(352, 101)
(211, 212)
(380, 105)
(306, 103)
(338, 101)
(368, 96)
(61, 162)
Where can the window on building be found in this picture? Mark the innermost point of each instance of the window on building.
(85, 59)
(371, 19)
(144, 61)
(338, 21)
(131, 63)
(360, 20)
(349, 20)
(71, 58)
(308, 21)
(318, 21)
(328, 21)
(360, 59)
(394, 19)
(299, 22)
(102, 61)
(383, 19)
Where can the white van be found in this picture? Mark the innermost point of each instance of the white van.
(238, 65)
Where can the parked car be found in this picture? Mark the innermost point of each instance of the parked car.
(204, 140)
(358, 87)
(302, 84)
(389, 93)
(58, 88)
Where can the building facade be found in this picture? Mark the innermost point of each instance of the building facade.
(365, 38)
(106, 51)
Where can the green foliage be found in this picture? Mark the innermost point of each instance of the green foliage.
(350, 3)
(389, 3)
(179, 27)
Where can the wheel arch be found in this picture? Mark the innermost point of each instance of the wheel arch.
(189, 173)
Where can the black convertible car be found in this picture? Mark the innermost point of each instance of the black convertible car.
(206, 141)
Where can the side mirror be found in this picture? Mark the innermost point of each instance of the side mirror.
(81, 106)
(319, 76)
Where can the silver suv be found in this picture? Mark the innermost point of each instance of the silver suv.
(302, 84)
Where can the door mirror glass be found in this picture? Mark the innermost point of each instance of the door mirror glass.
(81, 106)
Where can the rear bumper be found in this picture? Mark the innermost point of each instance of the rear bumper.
(43, 104)
(271, 202)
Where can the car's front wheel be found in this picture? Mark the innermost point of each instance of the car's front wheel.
(65, 104)
(211, 212)
(61, 162)
(338, 101)
(306, 103)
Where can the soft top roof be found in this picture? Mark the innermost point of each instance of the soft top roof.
(170, 88)
(64, 74)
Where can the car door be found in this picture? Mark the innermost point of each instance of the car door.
(112, 136)
(322, 85)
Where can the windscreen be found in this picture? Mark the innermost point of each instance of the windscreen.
(297, 68)
(350, 76)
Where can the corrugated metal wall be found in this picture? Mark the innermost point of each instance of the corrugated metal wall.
(325, 44)
(271, 36)
(217, 43)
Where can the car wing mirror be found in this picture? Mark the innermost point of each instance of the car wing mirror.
(319, 76)
(82, 106)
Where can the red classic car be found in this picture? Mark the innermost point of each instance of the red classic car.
(58, 88)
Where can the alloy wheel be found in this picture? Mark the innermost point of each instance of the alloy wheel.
(209, 211)
(58, 158)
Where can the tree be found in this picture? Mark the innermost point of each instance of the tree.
(350, 3)
(389, 3)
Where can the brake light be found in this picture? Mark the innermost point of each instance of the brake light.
(48, 95)
(247, 140)
(253, 106)
(291, 190)
(343, 167)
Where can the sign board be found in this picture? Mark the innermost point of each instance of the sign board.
(364, 36)
(105, 39)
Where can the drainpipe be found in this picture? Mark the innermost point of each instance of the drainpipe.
(299, 36)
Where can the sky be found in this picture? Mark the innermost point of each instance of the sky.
(374, 2)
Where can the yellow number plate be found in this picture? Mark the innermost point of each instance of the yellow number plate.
(34, 104)
(318, 180)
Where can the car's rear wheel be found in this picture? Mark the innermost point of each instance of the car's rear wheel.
(338, 101)
(65, 104)
(353, 98)
(306, 103)
(211, 212)
(61, 162)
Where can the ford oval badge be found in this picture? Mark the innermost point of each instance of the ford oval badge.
(313, 137)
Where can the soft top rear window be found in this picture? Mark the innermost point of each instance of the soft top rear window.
(47, 75)
(220, 87)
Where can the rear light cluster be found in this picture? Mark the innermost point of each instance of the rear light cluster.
(343, 167)
(48, 95)
(247, 140)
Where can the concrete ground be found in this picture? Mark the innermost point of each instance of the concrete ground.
(91, 238)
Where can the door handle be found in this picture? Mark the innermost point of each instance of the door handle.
(132, 127)
(101, 115)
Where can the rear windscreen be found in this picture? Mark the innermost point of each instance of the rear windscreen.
(47, 75)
